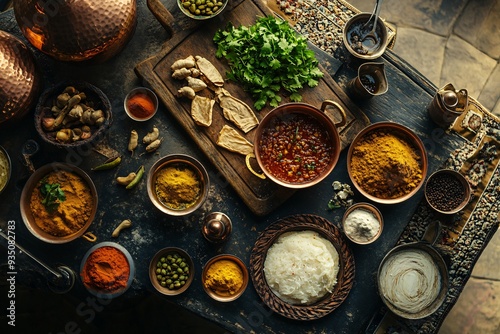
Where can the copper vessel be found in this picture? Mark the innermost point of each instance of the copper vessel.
(19, 79)
(77, 30)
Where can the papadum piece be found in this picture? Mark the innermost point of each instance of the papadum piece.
(209, 71)
(230, 139)
(201, 110)
(237, 111)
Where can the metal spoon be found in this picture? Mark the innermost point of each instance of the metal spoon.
(370, 39)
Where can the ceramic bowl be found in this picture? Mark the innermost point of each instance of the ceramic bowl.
(153, 267)
(94, 98)
(406, 134)
(353, 30)
(5, 174)
(113, 293)
(199, 16)
(442, 191)
(143, 91)
(179, 161)
(213, 294)
(27, 214)
(371, 209)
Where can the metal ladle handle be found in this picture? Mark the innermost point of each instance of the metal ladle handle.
(63, 277)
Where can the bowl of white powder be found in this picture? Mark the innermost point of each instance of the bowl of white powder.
(362, 223)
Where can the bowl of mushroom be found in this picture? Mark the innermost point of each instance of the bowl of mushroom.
(73, 114)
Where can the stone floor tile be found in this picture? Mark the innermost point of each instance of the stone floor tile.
(436, 17)
(477, 310)
(465, 66)
(422, 50)
(479, 25)
(487, 265)
(490, 95)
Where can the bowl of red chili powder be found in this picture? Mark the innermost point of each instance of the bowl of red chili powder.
(297, 145)
(107, 270)
(141, 104)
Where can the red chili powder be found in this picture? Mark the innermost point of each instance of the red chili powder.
(140, 105)
(106, 269)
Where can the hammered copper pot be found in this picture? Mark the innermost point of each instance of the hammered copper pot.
(78, 30)
(19, 79)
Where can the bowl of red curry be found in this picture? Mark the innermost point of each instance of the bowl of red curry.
(297, 145)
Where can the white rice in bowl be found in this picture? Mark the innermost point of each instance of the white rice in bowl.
(301, 267)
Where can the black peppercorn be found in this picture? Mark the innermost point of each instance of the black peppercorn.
(444, 191)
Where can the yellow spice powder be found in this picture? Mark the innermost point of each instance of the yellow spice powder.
(224, 277)
(385, 165)
(178, 187)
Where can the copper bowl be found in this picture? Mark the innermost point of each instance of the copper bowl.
(27, 215)
(409, 136)
(76, 31)
(369, 208)
(153, 267)
(199, 16)
(95, 96)
(289, 110)
(463, 182)
(214, 295)
(19, 79)
(352, 30)
(183, 161)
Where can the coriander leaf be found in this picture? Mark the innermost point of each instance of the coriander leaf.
(52, 195)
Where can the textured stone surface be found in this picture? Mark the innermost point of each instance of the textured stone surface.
(479, 25)
(427, 52)
(490, 95)
(487, 265)
(477, 311)
(465, 66)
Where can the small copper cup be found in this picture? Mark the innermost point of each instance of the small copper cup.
(371, 81)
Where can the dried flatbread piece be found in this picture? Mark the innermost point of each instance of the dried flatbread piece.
(230, 139)
(237, 111)
(201, 110)
(209, 71)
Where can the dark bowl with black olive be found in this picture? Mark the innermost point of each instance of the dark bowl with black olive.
(171, 271)
(73, 114)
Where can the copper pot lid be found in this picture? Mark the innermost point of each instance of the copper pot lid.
(77, 30)
(19, 79)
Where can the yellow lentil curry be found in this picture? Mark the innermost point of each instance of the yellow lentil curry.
(178, 186)
(65, 216)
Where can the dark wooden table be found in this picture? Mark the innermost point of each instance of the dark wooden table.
(405, 102)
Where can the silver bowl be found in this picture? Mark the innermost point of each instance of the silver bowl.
(352, 31)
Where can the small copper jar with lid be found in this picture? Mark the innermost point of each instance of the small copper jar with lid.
(20, 81)
(77, 30)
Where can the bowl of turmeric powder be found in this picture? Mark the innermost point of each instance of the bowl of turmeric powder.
(177, 184)
(58, 203)
(387, 162)
(225, 277)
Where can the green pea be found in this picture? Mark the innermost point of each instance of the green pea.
(186, 4)
(158, 270)
(175, 276)
(164, 265)
(169, 281)
(186, 270)
(192, 8)
(210, 4)
(158, 277)
(182, 278)
(182, 282)
(171, 286)
(163, 284)
(219, 3)
(163, 272)
(215, 8)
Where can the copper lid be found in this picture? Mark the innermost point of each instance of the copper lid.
(77, 30)
(19, 79)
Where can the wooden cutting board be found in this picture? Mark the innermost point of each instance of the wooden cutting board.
(192, 38)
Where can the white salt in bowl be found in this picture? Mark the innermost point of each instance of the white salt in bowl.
(356, 235)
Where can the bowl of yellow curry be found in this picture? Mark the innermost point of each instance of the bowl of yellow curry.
(58, 203)
(177, 184)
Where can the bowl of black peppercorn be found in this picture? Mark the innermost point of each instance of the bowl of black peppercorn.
(447, 191)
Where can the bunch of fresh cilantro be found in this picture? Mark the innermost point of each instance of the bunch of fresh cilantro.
(266, 57)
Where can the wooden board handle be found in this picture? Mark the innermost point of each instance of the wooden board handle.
(162, 15)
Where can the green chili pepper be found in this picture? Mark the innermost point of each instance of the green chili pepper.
(111, 163)
(137, 178)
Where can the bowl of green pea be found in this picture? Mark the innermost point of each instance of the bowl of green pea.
(171, 271)
(202, 9)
